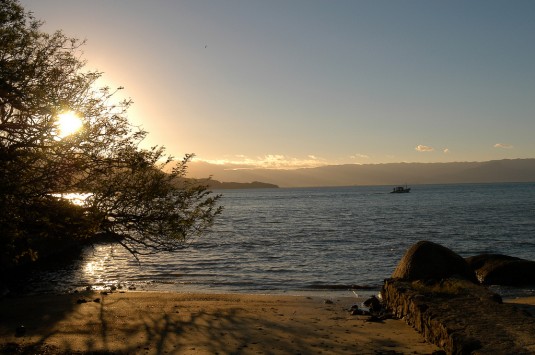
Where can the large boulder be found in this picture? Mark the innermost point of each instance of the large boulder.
(430, 261)
(498, 269)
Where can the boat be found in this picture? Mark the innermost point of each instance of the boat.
(400, 190)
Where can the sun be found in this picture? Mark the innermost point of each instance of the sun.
(68, 123)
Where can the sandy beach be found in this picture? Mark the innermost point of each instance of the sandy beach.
(186, 323)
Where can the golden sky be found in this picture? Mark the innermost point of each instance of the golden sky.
(307, 83)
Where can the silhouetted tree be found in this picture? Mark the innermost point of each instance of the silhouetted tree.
(131, 198)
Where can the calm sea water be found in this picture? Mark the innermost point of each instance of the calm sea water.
(315, 239)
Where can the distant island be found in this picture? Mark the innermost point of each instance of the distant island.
(219, 185)
(494, 171)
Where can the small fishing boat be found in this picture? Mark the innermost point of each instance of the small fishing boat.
(400, 190)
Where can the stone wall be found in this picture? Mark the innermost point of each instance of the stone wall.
(461, 317)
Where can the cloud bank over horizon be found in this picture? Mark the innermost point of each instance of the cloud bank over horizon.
(270, 161)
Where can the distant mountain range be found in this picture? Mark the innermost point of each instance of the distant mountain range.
(508, 170)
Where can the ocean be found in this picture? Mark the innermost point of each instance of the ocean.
(316, 240)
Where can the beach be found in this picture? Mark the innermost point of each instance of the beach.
(194, 323)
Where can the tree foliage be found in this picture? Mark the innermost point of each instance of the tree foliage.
(131, 198)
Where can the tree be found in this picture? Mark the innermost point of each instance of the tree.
(134, 195)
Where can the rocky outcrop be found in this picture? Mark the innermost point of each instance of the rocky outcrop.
(461, 317)
(433, 290)
(498, 269)
(430, 261)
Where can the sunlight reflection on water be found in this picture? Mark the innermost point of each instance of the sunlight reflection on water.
(103, 268)
(75, 197)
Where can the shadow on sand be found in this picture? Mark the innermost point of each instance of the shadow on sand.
(134, 323)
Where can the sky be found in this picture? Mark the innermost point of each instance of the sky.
(303, 83)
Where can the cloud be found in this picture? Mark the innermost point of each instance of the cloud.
(269, 161)
(503, 146)
(359, 156)
(424, 148)
(446, 150)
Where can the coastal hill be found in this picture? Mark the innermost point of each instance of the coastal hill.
(218, 185)
(507, 170)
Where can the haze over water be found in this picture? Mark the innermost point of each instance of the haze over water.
(317, 239)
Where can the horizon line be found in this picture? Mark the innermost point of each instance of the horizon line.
(249, 166)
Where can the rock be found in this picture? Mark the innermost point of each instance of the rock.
(430, 261)
(359, 312)
(328, 302)
(373, 318)
(373, 304)
(460, 316)
(81, 300)
(376, 310)
(498, 269)
(355, 311)
(353, 307)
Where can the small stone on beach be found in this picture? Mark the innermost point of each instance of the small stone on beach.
(359, 312)
(373, 318)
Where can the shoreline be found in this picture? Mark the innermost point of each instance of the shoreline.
(198, 323)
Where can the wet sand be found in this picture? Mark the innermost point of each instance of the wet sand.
(189, 323)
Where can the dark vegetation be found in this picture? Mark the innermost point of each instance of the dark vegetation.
(131, 200)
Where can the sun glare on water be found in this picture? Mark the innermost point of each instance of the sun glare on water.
(68, 123)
